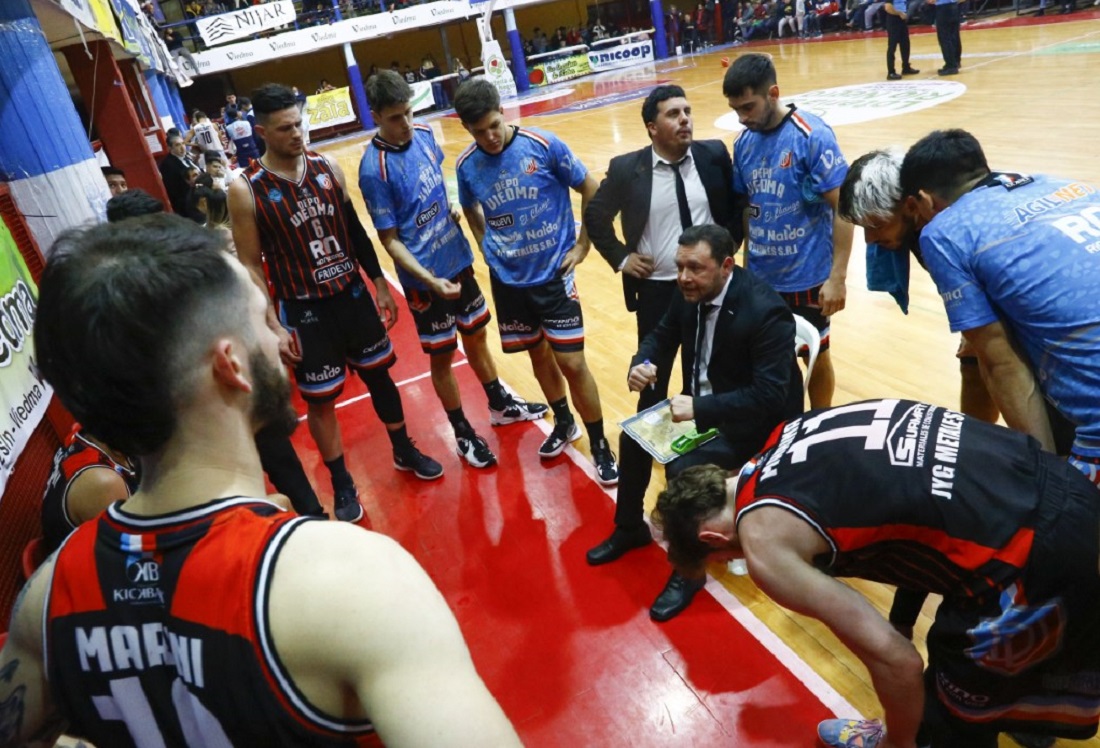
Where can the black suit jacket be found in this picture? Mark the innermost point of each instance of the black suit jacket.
(753, 372)
(173, 172)
(628, 188)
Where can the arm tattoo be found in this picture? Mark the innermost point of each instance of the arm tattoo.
(12, 707)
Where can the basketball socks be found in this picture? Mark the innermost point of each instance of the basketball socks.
(399, 438)
(498, 396)
(595, 431)
(341, 478)
(462, 427)
(561, 412)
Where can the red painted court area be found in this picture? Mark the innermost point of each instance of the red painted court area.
(567, 649)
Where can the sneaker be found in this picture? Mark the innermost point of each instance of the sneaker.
(910, 71)
(345, 502)
(419, 464)
(851, 733)
(893, 77)
(559, 438)
(517, 410)
(948, 71)
(475, 451)
(607, 472)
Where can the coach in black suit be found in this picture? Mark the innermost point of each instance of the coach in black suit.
(658, 192)
(739, 370)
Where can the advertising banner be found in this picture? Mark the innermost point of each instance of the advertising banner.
(310, 39)
(23, 395)
(620, 56)
(422, 96)
(330, 108)
(228, 27)
(562, 69)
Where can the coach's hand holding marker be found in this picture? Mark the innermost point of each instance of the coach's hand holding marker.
(641, 376)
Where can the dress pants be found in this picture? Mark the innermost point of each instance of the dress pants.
(897, 32)
(947, 33)
(635, 464)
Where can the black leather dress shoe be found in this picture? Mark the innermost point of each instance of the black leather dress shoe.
(619, 543)
(675, 597)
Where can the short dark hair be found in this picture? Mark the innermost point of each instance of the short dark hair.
(656, 96)
(125, 310)
(132, 204)
(199, 114)
(942, 163)
(272, 97)
(112, 171)
(386, 88)
(753, 71)
(717, 238)
(475, 98)
(243, 102)
(231, 114)
(690, 498)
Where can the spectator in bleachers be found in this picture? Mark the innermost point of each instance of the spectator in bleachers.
(116, 180)
(672, 28)
(702, 25)
(786, 18)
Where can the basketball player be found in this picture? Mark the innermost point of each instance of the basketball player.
(87, 476)
(193, 614)
(513, 184)
(204, 133)
(915, 495)
(790, 166)
(239, 130)
(291, 208)
(402, 183)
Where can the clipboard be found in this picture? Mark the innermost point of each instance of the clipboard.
(654, 430)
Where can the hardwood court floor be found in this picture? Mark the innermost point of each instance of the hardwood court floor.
(1027, 91)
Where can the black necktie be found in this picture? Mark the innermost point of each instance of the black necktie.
(700, 338)
(682, 195)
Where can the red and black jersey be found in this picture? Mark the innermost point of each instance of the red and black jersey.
(78, 454)
(157, 632)
(303, 230)
(905, 493)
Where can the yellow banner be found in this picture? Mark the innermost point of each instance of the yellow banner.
(330, 108)
(105, 19)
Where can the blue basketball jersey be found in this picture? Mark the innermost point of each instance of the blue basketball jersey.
(524, 194)
(1026, 251)
(403, 188)
(785, 172)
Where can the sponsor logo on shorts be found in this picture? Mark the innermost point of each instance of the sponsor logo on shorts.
(427, 215)
(1019, 637)
(960, 695)
(444, 324)
(953, 295)
(324, 375)
(515, 327)
(500, 222)
(574, 321)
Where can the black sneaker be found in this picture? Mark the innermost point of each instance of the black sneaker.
(910, 71)
(475, 451)
(893, 77)
(559, 439)
(948, 71)
(345, 503)
(607, 472)
(517, 410)
(412, 460)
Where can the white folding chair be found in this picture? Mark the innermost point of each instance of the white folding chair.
(806, 338)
